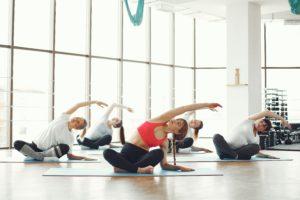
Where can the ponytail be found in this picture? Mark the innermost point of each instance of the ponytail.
(196, 130)
(174, 149)
(196, 133)
(122, 135)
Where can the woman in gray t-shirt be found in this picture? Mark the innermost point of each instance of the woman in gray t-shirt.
(243, 142)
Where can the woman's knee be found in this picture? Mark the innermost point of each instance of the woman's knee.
(256, 148)
(18, 144)
(108, 138)
(158, 154)
(217, 138)
(64, 148)
(108, 154)
(188, 141)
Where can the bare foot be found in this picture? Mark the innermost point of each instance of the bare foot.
(146, 170)
(118, 170)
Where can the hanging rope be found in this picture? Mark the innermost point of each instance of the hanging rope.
(295, 6)
(137, 18)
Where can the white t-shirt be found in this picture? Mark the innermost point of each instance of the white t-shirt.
(243, 135)
(56, 133)
(99, 129)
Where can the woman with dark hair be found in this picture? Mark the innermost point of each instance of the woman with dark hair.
(135, 156)
(192, 135)
(100, 133)
(57, 139)
(243, 142)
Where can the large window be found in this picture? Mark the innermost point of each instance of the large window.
(283, 43)
(30, 93)
(288, 80)
(281, 52)
(211, 83)
(32, 25)
(210, 44)
(184, 89)
(161, 87)
(104, 85)
(161, 36)
(184, 40)
(70, 83)
(135, 38)
(5, 21)
(211, 87)
(119, 68)
(134, 95)
(106, 36)
(71, 28)
(4, 104)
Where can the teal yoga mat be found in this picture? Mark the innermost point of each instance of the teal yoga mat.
(108, 172)
(22, 159)
(215, 158)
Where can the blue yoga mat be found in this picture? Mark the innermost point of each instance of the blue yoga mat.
(215, 158)
(22, 159)
(108, 172)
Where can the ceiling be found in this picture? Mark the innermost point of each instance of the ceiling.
(216, 9)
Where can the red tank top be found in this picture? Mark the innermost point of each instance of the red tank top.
(146, 131)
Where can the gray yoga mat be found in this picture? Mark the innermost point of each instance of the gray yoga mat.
(108, 172)
(22, 159)
(215, 158)
(286, 147)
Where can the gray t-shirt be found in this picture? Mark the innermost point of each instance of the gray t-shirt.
(243, 135)
(99, 129)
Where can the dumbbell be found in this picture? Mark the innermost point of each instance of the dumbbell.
(288, 141)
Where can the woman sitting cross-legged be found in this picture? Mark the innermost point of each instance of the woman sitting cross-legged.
(135, 156)
(100, 133)
(243, 142)
(187, 143)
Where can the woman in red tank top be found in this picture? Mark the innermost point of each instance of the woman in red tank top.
(135, 155)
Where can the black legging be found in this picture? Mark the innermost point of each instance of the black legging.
(18, 144)
(224, 151)
(31, 150)
(132, 157)
(185, 143)
(95, 144)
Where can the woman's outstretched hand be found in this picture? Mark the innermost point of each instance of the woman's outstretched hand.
(101, 104)
(213, 106)
(129, 109)
(185, 169)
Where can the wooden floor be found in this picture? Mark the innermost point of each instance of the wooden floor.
(241, 181)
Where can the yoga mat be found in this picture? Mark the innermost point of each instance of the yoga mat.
(286, 147)
(108, 172)
(94, 151)
(190, 152)
(22, 159)
(215, 158)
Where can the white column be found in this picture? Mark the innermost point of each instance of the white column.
(243, 52)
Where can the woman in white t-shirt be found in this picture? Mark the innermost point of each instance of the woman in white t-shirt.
(57, 139)
(100, 133)
(193, 130)
(243, 142)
